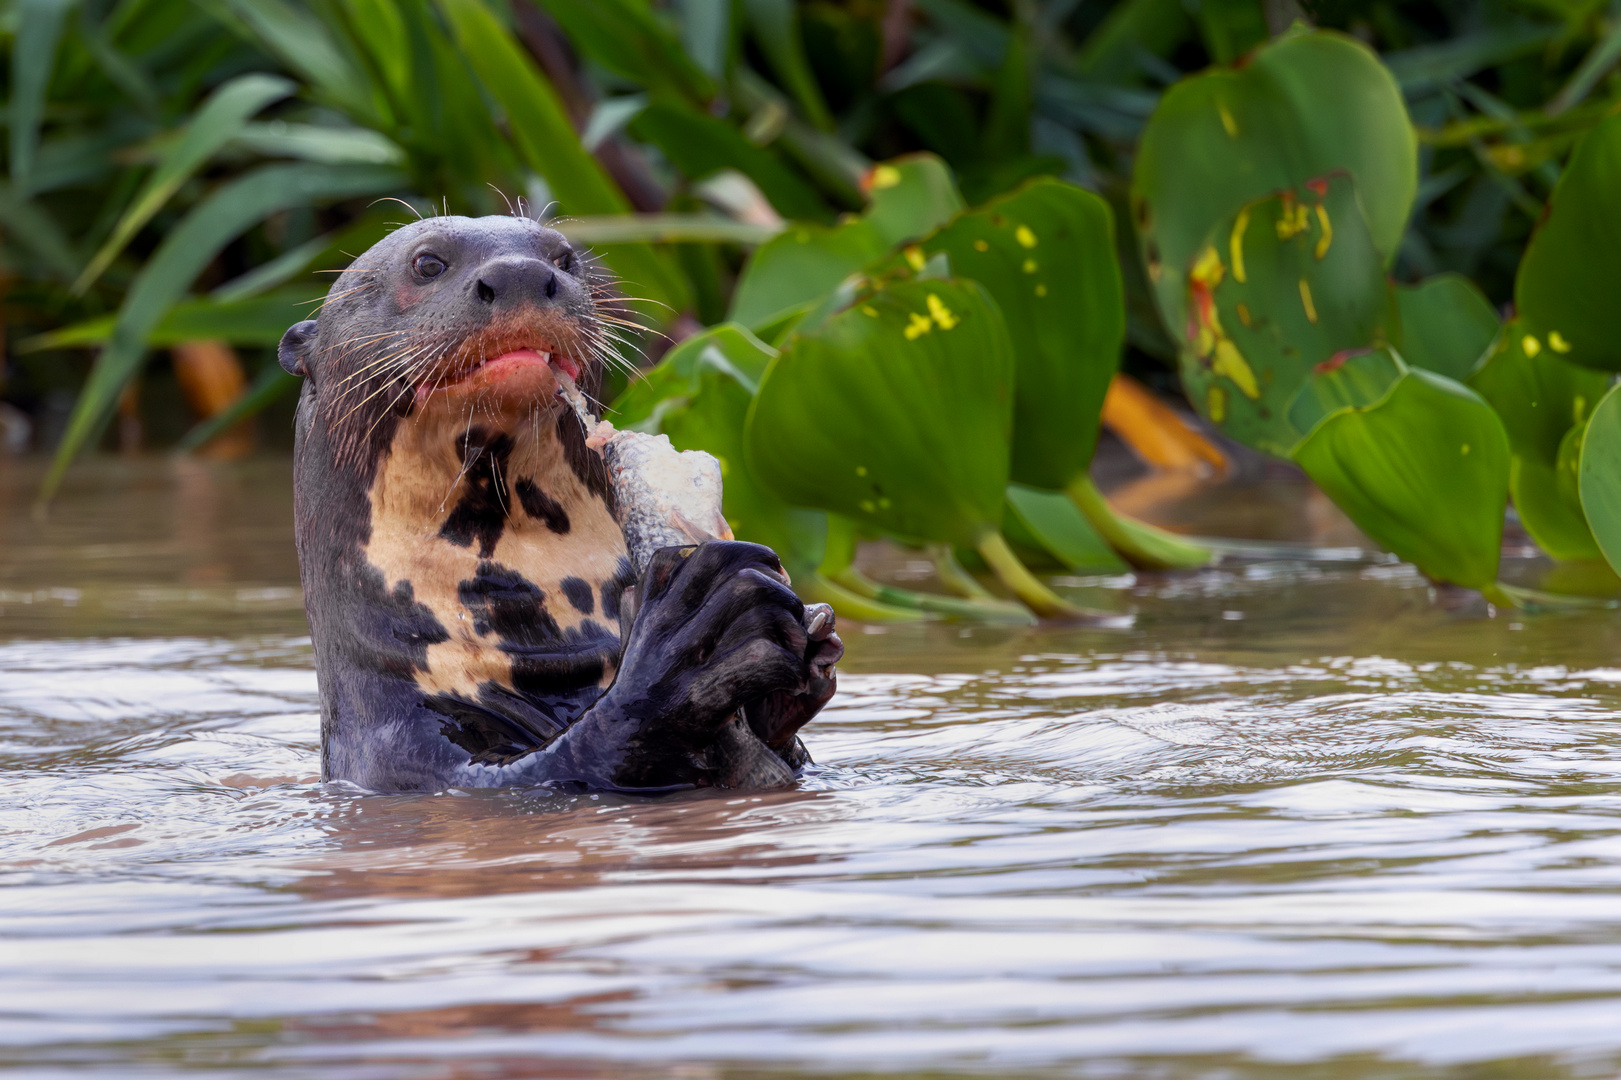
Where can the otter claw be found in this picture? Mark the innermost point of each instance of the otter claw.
(818, 617)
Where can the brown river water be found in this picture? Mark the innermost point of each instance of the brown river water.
(1304, 818)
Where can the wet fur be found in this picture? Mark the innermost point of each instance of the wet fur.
(462, 567)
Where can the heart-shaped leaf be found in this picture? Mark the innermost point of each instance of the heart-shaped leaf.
(1304, 106)
(896, 413)
(1566, 294)
(1423, 471)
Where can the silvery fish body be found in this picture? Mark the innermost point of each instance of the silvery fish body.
(663, 497)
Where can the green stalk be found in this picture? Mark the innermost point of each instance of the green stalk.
(818, 589)
(1017, 577)
(838, 567)
(1140, 544)
(954, 577)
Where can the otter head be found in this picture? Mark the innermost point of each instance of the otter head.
(456, 536)
(451, 316)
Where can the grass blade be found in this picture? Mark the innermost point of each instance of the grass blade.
(39, 32)
(271, 385)
(230, 211)
(216, 124)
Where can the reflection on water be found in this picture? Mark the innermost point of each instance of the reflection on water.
(1301, 820)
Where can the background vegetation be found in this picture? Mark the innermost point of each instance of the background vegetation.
(176, 170)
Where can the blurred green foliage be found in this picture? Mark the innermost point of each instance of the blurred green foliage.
(177, 169)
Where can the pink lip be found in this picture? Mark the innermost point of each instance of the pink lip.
(521, 372)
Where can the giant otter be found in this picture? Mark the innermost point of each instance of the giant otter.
(462, 568)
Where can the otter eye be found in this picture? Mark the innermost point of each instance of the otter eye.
(429, 266)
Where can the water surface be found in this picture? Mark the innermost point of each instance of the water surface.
(1302, 819)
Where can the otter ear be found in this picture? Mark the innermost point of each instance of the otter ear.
(294, 350)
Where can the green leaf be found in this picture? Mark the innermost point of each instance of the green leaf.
(32, 224)
(1289, 283)
(1052, 521)
(625, 37)
(258, 321)
(231, 210)
(1447, 325)
(665, 229)
(315, 142)
(775, 25)
(1046, 255)
(1305, 106)
(1231, 28)
(1424, 472)
(220, 120)
(1131, 29)
(910, 197)
(33, 58)
(1356, 381)
(1599, 469)
(706, 34)
(728, 348)
(1541, 401)
(1566, 293)
(298, 39)
(547, 143)
(699, 144)
(896, 413)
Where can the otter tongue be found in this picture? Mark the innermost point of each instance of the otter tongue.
(559, 363)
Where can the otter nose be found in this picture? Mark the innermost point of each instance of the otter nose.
(515, 278)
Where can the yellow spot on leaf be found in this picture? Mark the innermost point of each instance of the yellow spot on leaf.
(1531, 345)
(1328, 232)
(883, 504)
(1293, 220)
(1227, 121)
(1465, 449)
(1557, 342)
(980, 245)
(1244, 314)
(1041, 290)
(861, 470)
(1024, 236)
(914, 257)
(1236, 244)
(1215, 404)
(1305, 302)
(869, 310)
(1231, 363)
(1029, 266)
(917, 327)
(1207, 269)
(885, 176)
(867, 505)
(941, 314)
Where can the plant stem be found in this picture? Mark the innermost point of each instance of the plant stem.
(1140, 544)
(954, 577)
(1017, 577)
(819, 589)
(951, 607)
